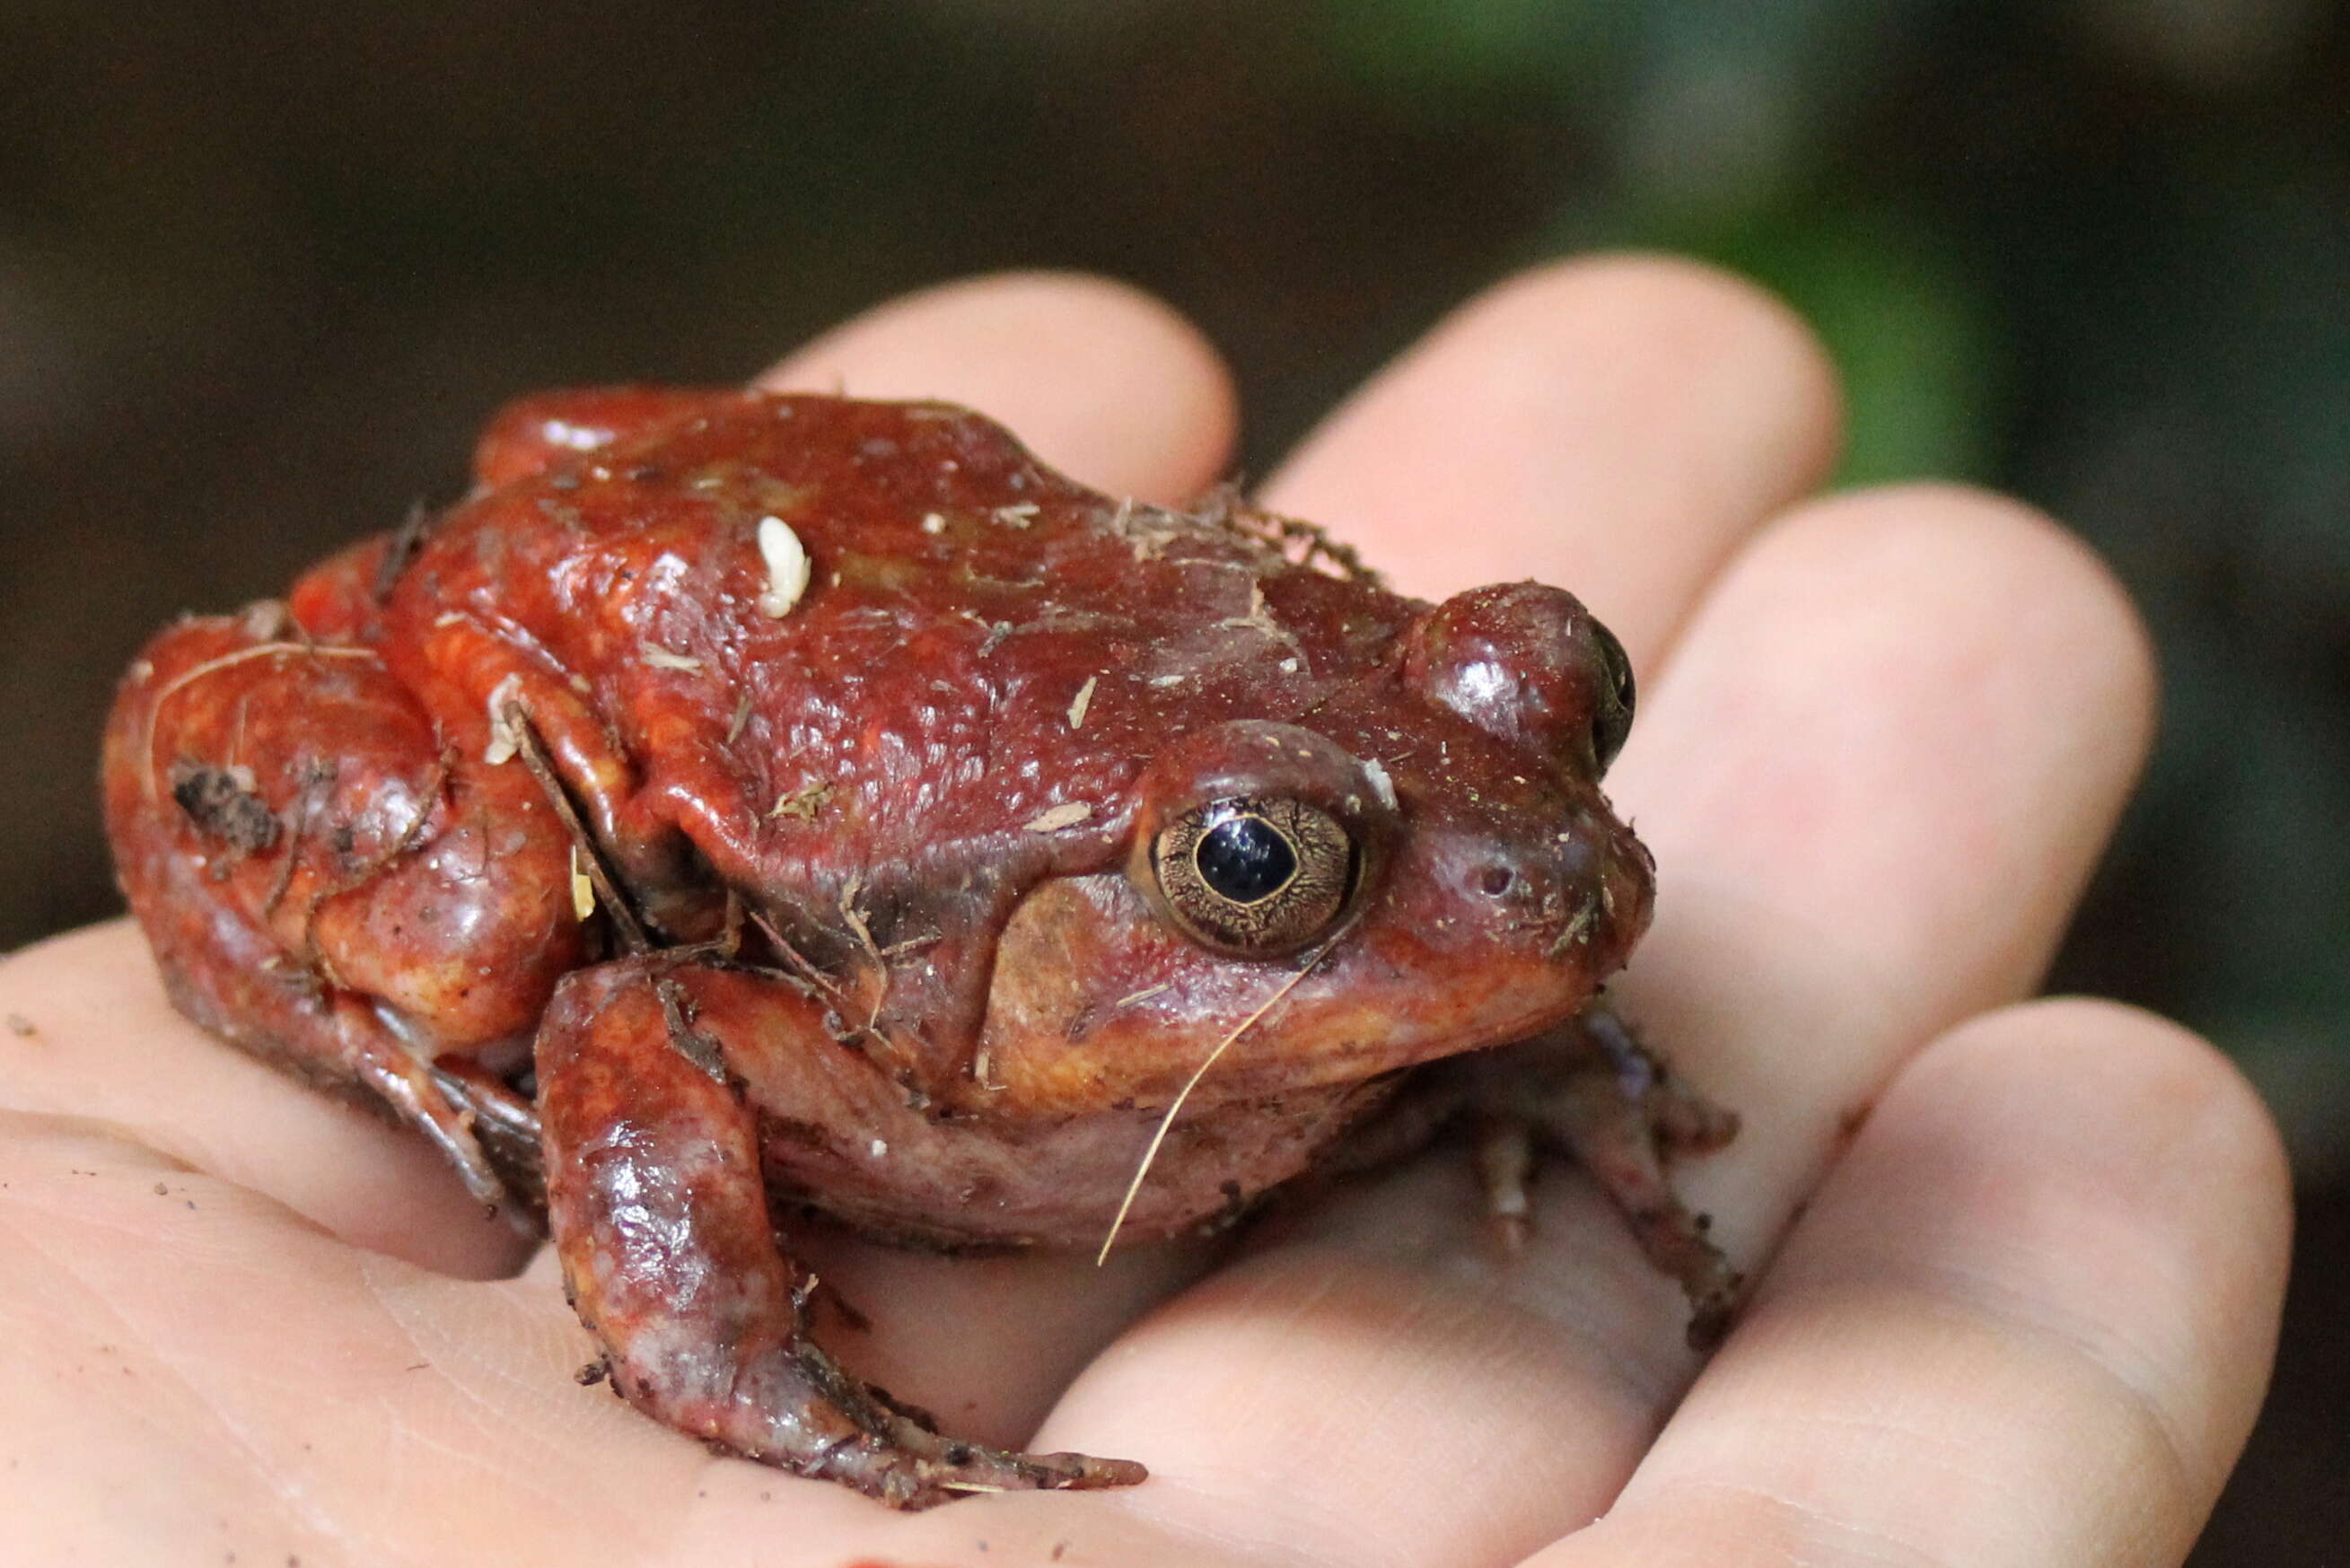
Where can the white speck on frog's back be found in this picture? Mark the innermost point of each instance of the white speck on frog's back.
(787, 567)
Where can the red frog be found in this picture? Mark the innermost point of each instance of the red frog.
(743, 803)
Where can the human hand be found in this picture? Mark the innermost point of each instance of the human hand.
(2016, 1267)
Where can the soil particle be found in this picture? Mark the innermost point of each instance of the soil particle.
(223, 804)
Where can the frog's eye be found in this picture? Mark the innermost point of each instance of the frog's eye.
(1611, 718)
(1260, 878)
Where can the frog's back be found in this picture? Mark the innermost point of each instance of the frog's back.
(983, 657)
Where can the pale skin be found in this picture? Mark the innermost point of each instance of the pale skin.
(2018, 1264)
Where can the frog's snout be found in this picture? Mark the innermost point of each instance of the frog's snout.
(1578, 894)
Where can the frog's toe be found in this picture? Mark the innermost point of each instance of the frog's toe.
(963, 1469)
(1589, 1089)
(1076, 1473)
(909, 1466)
(907, 1462)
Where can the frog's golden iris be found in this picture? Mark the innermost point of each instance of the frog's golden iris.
(1257, 878)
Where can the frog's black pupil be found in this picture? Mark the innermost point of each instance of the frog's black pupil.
(1245, 858)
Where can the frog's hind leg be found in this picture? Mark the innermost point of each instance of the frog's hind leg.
(322, 883)
(657, 1206)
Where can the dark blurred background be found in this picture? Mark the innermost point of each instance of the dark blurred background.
(263, 268)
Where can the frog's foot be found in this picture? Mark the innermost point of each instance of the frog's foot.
(1589, 1089)
(841, 1430)
(658, 1205)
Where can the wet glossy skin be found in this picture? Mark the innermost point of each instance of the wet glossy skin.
(859, 898)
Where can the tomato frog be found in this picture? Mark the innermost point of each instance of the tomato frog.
(744, 805)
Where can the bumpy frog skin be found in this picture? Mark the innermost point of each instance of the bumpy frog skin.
(822, 805)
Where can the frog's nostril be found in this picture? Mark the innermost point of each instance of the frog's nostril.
(1495, 880)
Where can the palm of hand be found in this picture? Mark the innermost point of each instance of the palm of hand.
(2023, 1261)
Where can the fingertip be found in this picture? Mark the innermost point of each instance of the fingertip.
(2090, 1172)
(2030, 572)
(2164, 1105)
(1100, 379)
(1737, 338)
(1892, 741)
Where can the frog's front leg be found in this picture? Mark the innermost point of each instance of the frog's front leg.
(1588, 1088)
(659, 1208)
(1592, 1091)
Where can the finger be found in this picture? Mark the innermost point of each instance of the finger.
(1098, 380)
(2027, 1321)
(1875, 776)
(1614, 426)
(1883, 763)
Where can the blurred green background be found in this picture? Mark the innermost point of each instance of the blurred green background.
(264, 267)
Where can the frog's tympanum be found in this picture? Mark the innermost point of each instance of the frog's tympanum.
(745, 807)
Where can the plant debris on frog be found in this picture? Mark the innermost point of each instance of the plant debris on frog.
(744, 801)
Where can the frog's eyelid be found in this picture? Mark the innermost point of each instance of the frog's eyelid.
(1612, 723)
